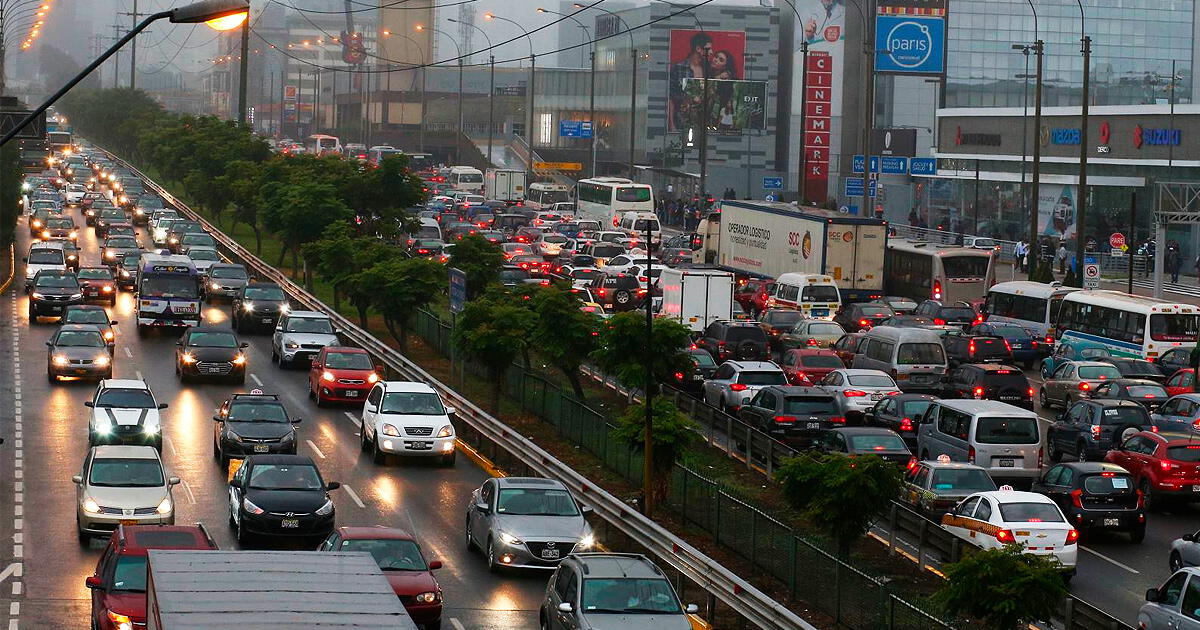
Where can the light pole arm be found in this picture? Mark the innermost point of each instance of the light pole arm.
(112, 50)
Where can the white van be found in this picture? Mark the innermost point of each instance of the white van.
(430, 228)
(913, 356)
(815, 295)
(466, 179)
(48, 255)
(1004, 440)
(635, 224)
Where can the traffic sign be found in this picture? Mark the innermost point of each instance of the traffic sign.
(854, 187)
(557, 166)
(772, 183)
(856, 163)
(1116, 240)
(1091, 276)
(575, 128)
(771, 198)
(923, 166)
(1090, 245)
(458, 290)
(36, 129)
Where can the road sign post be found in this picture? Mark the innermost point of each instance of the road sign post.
(772, 183)
(1091, 273)
(1116, 240)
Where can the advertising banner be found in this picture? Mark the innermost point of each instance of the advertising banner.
(910, 44)
(733, 106)
(290, 92)
(1056, 210)
(696, 54)
(822, 25)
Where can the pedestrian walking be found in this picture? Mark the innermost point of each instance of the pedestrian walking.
(1062, 258)
(1020, 250)
(1173, 261)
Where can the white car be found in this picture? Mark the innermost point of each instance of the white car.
(1172, 605)
(856, 391)
(122, 485)
(124, 411)
(623, 263)
(203, 258)
(736, 382)
(995, 518)
(300, 336)
(406, 418)
(550, 244)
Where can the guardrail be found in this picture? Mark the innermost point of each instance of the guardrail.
(735, 592)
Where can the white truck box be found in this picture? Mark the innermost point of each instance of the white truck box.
(696, 297)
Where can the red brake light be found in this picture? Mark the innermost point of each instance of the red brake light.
(970, 454)
(970, 348)
(878, 448)
(1164, 465)
(863, 322)
(1085, 386)
(937, 289)
(979, 392)
(1029, 392)
(1049, 339)
(1096, 431)
(1077, 498)
(738, 387)
(912, 463)
(979, 319)
(1005, 536)
(785, 419)
(1072, 536)
(906, 424)
(1108, 474)
(812, 342)
(1008, 346)
(838, 420)
(679, 376)
(941, 322)
(1003, 372)
(1039, 458)
(853, 393)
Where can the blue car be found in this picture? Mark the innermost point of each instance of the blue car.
(1027, 349)
(1063, 353)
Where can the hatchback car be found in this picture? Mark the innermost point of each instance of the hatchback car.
(1025, 347)
(734, 383)
(1146, 393)
(341, 374)
(248, 424)
(526, 522)
(210, 352)
(258, 306)
(935, 487)
(791, 412)
(1137, 368)
(1003, 517)
(959, 314)
(860, 316)
(590, 591)
(1165, 466)
(1183, 381)
(807, 366)
(1074, 380)
(1096, 496)
(964, 348)
(811, 333)
(776, 321)
(122, 485)
(857, 391)
(1090, 428)
(1173, 606)
(752, 294)
(78, 351)
(406, 418)
(1179, 413)
(859, 441)
(299, 336)
(224, 280)
(692, 381)
(280, 495)
(900, 413)
(399, 556)
(725, 339)
(124, 411)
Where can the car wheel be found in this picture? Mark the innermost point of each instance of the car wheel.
(317, 397)
(377, 456)
(50, 377)
(275, 357)
(32, 316)
(1148, 501)
(216, 450)
(1081, 451)
(1138, 534)
(1052, 451)
(1043, 400)
(492, 564)
(362, 437)
(1175, 562)
(471, 546)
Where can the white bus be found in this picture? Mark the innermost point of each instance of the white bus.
(376, 153)
(321, 144)
(605, 199)
(1124, 325)
(928, 271)
(168, 292)
(543, 196)
(1030, 305)
(465, 178)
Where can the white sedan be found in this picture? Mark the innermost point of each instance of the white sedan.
(1002, 517)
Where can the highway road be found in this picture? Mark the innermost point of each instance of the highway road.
(45, 427)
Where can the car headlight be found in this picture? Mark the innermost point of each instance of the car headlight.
(240, 359)
(107, 289)
(25, 186)
(173, 241)
(232, 435)
(103, 426)
(108, 335)
(587, 542)
(327, 376)
(325, 510)
(164, 506)
(101, 360)
(508, 538)
(215, 286)
(251, 508)
(247, 306)
(151, 427)
(139, 212)
(74, 234)
(90, 506)
(124, 274)
(284, 308)
(431, 597)
(76, 296)
(291, 345)
(446, 431)
(187, 357)
(110, 255)
(37, 296)
(37, 224)
(45, 233)
(373, 378)
(61, 360)
(391, 430)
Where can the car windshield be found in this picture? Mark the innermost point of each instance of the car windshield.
(1002, 430)
(120, 472)
(876, 311)
(761, 378)
(285, 477)
(1099, 372)
(131, 260)
(1009, 331)
(112, 213)
(203, 254)
(413, 404)
(125, 398)
(736, 334)
(629, 595)
(825, 328)
(920, 353)
(391, 554)
(309, 325)
(197, 239)
(871, 380)
(348, 361)
(969, 479)
(256, 411)
(820, 361)
(227, 272)
(201, 339)
(554, 238)
(1030, 513)
(607, 251)
(123, 242)
(782, 318)
(45, 257)
(1135, 415)
(536, 502)
(60, 223)
(95, 273)
(173, 286)
(914, 408)
(702, 359)
(956, 314)
(56, 281)
(877, 442)
(265, 293)
(79, 339)
(1173, 327)
(809, 405)
(1146, 391)
(819, 293)
(1108, 483)
(86, 316)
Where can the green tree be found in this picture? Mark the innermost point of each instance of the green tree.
(480, 260)
(493, 330)
(623, 349)
(332, 257)
(565, 335)
(298, 211)
(245, 182)
(10, 193)
(672, 432)
(841, 495)
(404, 285)
(1005, 587)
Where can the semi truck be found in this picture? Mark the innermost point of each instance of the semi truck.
(767, 240)
(505, 184)
(696, 297)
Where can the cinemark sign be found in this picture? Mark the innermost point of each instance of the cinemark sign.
(818, 92)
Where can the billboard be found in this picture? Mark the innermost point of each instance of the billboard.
(822, 26)
(1056, 210)
(695, 54)
(908, 44)
(733, 106)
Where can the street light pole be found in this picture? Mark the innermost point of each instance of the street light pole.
(530, 89)
(587, 35)
(245, 63)
(491, 85)
(869, 107)
(457, 53)
(633, 113)
(1039, 47)
(1081, 203)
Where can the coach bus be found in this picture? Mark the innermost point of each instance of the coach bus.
(605, 199)
(1124, 325)
(928, 271)
(321, 144)
(543, 196)
(1030, 305)
(168, 292)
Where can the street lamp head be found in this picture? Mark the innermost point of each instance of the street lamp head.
(220, 15)
(1018, 46)
(489, 16)
(541, 10)
(419, 27)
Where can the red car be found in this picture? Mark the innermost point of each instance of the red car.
(807, 366)
(98, 283)
(399, 555)
(1183, 381)
(752, 294)
(341, 374)
(847, 346)
(119, 584)
(1164, 465)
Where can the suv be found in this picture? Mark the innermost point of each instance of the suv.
(725, 339)
(734, 383)
(119, 584)
(124, 411)
(224, 280)
(1091, 428)
(991, 381)
(1097, 496)
(785, 412)
(252, 423)
(859, 316)
(406, 418)
(299, 336)
(50, 293)
(935, 487)
(50, 256)
(776, 321)
(589, 590)
(122, 485)
(259, 305)
(958, 314)
(619, 292)
(964, 348)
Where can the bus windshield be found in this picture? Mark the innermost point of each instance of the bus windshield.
(169, 286)
(546, 197)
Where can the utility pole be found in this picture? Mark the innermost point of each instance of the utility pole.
(633, 120)
(869, 53)
(134, 15)
(1132, 238)
(529, 131)
(1081, 212)
(245, 62)
(592, 110)
(648, 431)
(1035, 248)
(492, 104)
(117, 61)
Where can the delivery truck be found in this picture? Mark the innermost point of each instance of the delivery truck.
(308, 590)
(505, 184)
(767, 240)
(696, 297)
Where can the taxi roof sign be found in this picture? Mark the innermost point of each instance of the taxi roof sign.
(1006, 488)
(943, 459)
(256, 391)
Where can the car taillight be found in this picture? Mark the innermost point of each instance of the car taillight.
(800, 376)
(1096, 431)
(1077, 498)
(838, 420)
(1165, 466)
(853, 393)
(1072, 536)
(979, 392)
(1033, 343)
(970, 454)
(1008, 346)
(1049, 339)
(979, 319)
(1005, 536)
(679, 376)
(738, 387)
(1039, 458)
(941, 322)
(812, 342)
(1029, 392)
(937, 289)
(912, 463)
(1141, 499)
(906, 424)
(1084, 386)
(863, 322)
(785, 419)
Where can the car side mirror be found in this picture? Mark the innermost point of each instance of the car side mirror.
(450, 411)
(174, 481)
(567, 607)
(1189, 537)
(371, 408)
(333, 485)
(217, 419)
(94, 582)
(483, 507)
(244, 345)
(77, 479)
(586, 509)
(179, 343)
(88, 403)
(1152, 595)
(297, 420)
(48, 343)
(692, 609)
(314, 364)
(112, 323)
(434, 565)
(279, 329)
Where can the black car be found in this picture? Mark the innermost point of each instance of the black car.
(1092, 427)
(178, 229)
(776, 321)
(788, 412)
(878, 441)
(900, 413)
(95, 315)
(280, 495)
(258, 306)
(742, 340)
(958, 314)
(989, 381)
(51, 292)
(249, 424)
(964, 348)
(1096, 496)
(693, 381)
(862, 315)
(106, 217)
(619, 292)
(1174, 359)
(127, 270)
(1137, 369)
(906, 321)
(205, 351)
(901, 305)
(1146, 393)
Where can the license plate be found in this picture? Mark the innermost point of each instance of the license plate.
(55, 309)
(876, 396)
(1195, 488)
(80, 371)
(261, 448)
(1010, 398)
(290, 523)
(1007, 463)
(1112, 522)
(419, 446)
(814, 425)
(128, 521)
(352, 393)
(1018, 345)
(266, 320)
(550, 554)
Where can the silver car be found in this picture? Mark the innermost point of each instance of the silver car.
(1173, 605)
(590, 591)
(1181, 412)
(1074, 380)
(1185, 552)
(736, 382)
(856, 391)
(526, 522)
(224, 280)
(300, 335)
(122, 485)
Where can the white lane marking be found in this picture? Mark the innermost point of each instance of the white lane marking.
(1104, 557)
(170, 446)
(353, 496)
(254, 377)
(139, 376)
(11, 570)
(188, 488)
(351, 417)
(456, 623)
(128, 352)
(315, 449)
